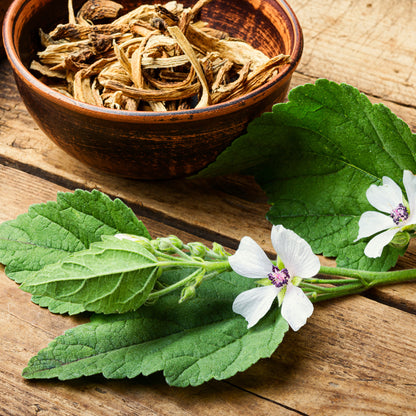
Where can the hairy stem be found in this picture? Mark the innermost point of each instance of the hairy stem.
(204, 270)
(355, 281)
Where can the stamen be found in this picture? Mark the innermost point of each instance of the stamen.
(279, 277)
(399, 214)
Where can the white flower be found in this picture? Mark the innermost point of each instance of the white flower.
(130, 237)
(401, 213)
(297, 261)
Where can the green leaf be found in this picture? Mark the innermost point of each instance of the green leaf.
(112, 276)
(50, 232)
(191, 343)
(58, 306)
(315, 157)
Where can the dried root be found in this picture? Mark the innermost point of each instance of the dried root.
(154, 58)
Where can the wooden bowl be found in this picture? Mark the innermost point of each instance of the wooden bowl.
(151, 145)
(4, 4)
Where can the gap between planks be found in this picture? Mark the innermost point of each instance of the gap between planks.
(400, 296)
(346, 314)
(140, 210)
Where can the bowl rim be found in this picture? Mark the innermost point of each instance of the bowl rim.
(145, 116)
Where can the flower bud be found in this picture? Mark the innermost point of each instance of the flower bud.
(167, 244)
(400, 240)
(155, 243)
(162, 244)
(219, 250)
(197, 249)
(187, 293)
(176, 241)
(143, 241)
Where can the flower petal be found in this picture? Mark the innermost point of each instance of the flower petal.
(253, 304)
(250, 260)
(409, 181)
(130, 237)
(372, 222)
(375, 246)
(296, 307)
(295, 253)
(385, 197)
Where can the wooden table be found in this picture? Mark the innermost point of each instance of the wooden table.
(356, 356)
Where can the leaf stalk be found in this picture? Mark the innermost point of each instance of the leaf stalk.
(352, 282)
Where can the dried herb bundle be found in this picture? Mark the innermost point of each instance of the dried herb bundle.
(154, 58)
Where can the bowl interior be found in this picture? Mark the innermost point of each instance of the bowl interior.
(262, 23)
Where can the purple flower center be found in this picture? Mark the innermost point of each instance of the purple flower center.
(279, 277)
(399, 214)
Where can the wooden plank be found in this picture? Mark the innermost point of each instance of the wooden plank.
(369, 44)
(191, 205)
(354, 357)
(25, 328)
(344, 361)
(189, 201)
(16, 200)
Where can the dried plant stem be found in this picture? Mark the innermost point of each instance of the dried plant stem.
(158, 58)
(186, 47)
(155, 95)
(71, 14)
(136, 62)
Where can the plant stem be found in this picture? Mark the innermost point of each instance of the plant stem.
(349, 281)
(351, 289)
(177, 285)
(206, 269)
(372, 278)
(355, 281)
(329, 281)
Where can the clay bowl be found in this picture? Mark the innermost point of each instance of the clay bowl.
(4, 4)
(149, 145)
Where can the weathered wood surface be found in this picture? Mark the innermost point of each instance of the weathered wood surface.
(355, 356)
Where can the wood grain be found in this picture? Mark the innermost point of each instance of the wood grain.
(356, 356)
(25, 328)
(344, 361)
(190, 205)
(368, 44)
(342, 364)
(193, 202)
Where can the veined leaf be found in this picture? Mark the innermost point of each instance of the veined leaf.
(191, 343)
(58, 306)
(112, 276)
(315, 157)
(50, 232)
